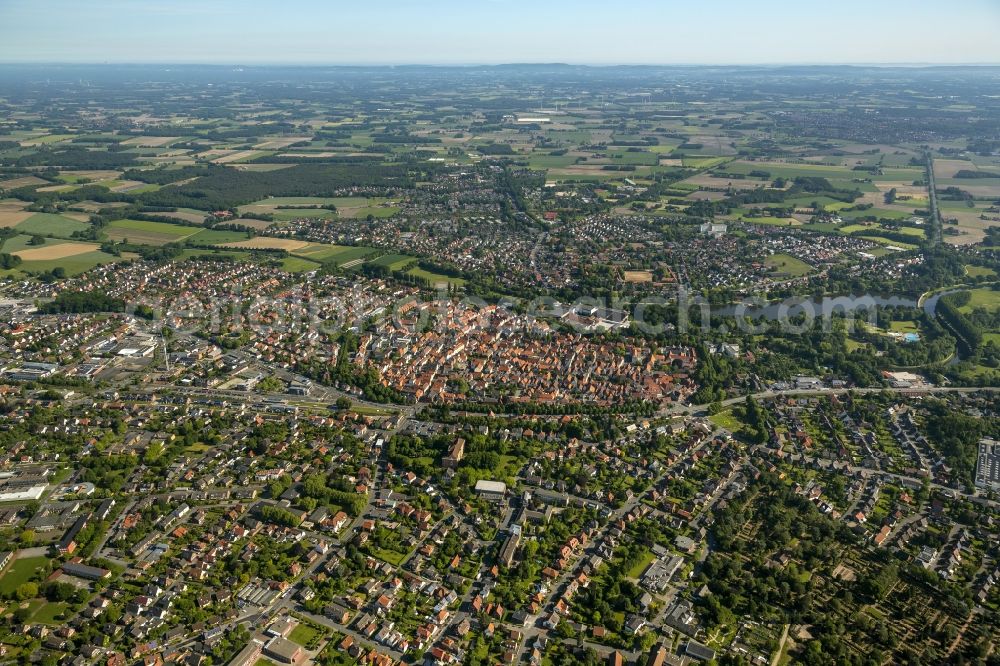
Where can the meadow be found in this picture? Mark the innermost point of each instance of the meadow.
(788, 265)
(144, 232)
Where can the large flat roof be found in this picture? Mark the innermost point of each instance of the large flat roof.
(485, 486)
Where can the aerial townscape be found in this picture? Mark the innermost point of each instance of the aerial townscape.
(545, 364)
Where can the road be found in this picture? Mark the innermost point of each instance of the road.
(936, 221)
(677, 409)
(558, 584)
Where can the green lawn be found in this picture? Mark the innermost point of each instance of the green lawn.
(21, 571)
(392, 261)
(991, 337)
(787, 264)
(851, 228)
(298, 265)
(886, 241)
(390, 556)
(876, 229)
(982, 298)
(435, 278)
(725, 419)
(48, 613)
(303, 634)
(853, 344)
(979, 271)
(338, 254)
(904, 327)
(640, 566)
(374, 211)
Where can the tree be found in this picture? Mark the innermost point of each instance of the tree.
(36, 239)
(26, 591)
(153, 453)
(27, 537)
(343, 403)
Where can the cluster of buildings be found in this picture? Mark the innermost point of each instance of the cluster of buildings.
(498, 353)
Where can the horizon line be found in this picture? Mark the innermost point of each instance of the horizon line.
(236, 63)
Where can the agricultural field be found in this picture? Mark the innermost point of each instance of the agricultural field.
(290, 208)
(47, 224)
(214, 236)
(266, 243)
(144, 232)
(339, 255)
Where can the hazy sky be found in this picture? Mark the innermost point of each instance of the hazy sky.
(500, 31)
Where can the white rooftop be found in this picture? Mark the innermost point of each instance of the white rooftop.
(485, 486)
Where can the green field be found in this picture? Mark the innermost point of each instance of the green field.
(904, 327)
(303, 634)
(704, 162)
(21, 242)
(725, 419)
(390, 556)
(979, 271)
(337, 254)
(885, 241)
(197, 252)
(543, 160)
(21, 571)
(285, 215)
(47, 613)
(991, 337)
(365, 211)
(72, 265)
(213, 236)
(392, 261)
(435, 279)
(881, 213)
(624, 156)
(787, 264)
(982, 298)
(786, 170)
(144, 232)
(47, 223)
(298, 265)
(51, 138)
(640, 565)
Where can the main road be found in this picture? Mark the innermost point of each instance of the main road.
(936, 221)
